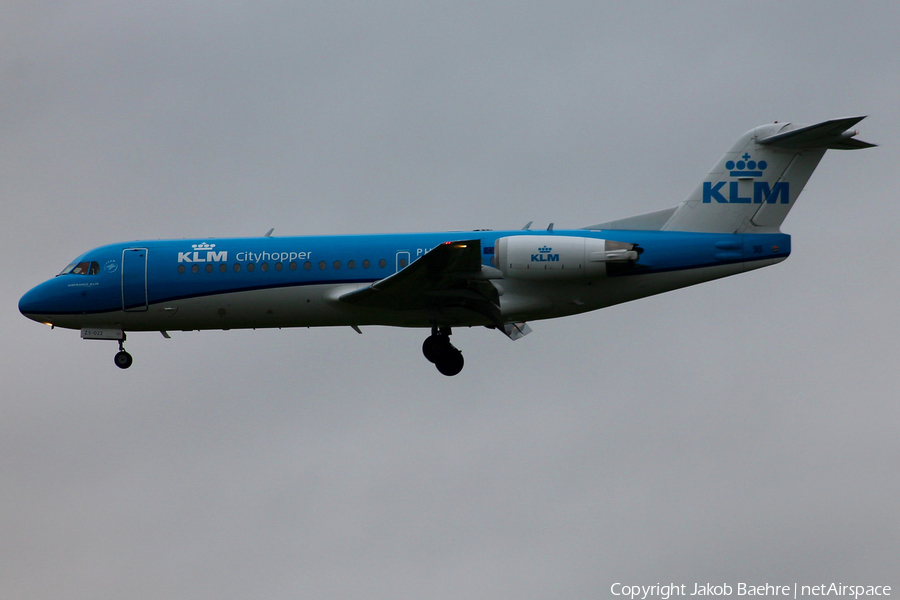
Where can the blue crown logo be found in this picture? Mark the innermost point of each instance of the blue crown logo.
(203, 246)
(746, 167)
(545, 249)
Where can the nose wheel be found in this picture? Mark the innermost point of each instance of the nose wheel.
(445, 356)
(122, 359)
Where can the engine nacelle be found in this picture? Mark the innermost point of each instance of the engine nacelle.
(558, 257)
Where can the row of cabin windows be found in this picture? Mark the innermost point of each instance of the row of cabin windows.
(351, 264)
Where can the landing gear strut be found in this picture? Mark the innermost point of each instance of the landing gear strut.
(122, 359)
(438, 349)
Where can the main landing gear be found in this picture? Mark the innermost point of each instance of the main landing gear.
(122, 359)
(438, 349)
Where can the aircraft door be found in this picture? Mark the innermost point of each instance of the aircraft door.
(402, 260)
(134, 279)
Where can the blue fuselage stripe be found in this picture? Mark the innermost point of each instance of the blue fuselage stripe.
(170, 263)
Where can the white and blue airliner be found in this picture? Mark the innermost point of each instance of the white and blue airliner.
(497, 279)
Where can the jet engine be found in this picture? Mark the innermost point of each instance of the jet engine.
(559, 258)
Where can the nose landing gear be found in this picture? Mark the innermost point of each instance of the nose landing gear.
(122, 359)
(438, 350)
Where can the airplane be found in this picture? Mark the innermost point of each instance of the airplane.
(501, 280)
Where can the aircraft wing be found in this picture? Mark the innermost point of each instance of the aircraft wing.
(448, 276)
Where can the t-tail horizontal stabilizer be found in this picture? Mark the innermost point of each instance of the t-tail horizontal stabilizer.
(833, 135)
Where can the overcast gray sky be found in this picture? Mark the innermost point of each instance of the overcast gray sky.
(741, 430)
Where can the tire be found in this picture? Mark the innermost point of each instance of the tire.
(123, 360)
(433, 346)
(450, 362)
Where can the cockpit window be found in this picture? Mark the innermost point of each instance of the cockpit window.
(82, 268)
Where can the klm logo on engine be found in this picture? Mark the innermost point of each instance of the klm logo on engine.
(762, 192)
(544, 255)
(203, 253)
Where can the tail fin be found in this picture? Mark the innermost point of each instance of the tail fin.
(752, 187)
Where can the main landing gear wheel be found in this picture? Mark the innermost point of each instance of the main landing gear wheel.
(450, 362)
(432, 347)
(438, 350)
(123, 360)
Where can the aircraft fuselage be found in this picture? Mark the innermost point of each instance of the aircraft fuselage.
(298, 281)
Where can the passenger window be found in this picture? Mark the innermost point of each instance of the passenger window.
(195, 268)
(181, 268)
(237, 267)
(264, 266)
(307, 265)
(337, 265)
(223, 267)
(293, 266)
(366, 264)
(351, 264)
(209, 268)
(250, 267)
(278, 266)
(322, 265)
(382, 263)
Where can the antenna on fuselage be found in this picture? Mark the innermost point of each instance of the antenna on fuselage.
(527, 225)
(269, 233)
(550, 227)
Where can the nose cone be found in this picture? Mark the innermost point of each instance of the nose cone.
(36, 304)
